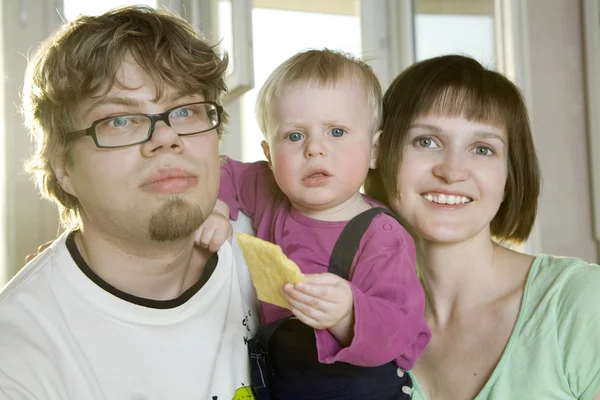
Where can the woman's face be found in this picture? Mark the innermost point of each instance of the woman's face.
(452, 178)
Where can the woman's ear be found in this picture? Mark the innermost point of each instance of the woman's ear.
(59, 166)
(266, 151)
(375, 149)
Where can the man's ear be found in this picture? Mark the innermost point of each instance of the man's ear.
(59, 165)
(266, 151)
(375, 149)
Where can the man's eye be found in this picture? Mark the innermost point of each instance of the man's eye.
(181, 113)
(337, 132)
(118, 122)
(295, 136)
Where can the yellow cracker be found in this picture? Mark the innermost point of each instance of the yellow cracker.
(269, 268)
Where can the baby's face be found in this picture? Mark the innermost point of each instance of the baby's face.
(321, 144)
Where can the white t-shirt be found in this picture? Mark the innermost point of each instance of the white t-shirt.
(66, 334)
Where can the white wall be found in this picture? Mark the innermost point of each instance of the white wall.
(558, 107)
(26, 220)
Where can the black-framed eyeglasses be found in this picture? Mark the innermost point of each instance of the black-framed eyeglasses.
(129, 129)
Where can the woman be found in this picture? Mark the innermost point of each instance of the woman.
(458, 164)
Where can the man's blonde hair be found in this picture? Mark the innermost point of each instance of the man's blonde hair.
(81, 60)
(323, 67)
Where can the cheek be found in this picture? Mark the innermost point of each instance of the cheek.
(285, 165)
(413, 171)
(493, 179)
(286, 156)
(99, 174)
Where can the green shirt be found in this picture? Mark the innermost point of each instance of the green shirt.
(554, 349)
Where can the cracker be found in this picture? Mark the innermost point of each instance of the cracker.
(269, 268)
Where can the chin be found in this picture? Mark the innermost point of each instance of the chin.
(175, 220)
(451, 235)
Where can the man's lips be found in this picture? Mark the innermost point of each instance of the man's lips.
(171, 180)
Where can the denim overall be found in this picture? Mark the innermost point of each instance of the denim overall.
(283, 354)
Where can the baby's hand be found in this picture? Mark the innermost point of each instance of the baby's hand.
(40, 248)
(324, 301)
(215, 230)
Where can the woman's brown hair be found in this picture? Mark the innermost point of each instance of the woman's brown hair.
(459, 86)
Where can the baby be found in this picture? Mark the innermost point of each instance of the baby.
(358, 321)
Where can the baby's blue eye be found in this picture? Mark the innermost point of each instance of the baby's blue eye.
(337, 132)
(295, 136)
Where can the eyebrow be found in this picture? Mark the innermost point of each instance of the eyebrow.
(129, 102)
(480, 134)
(489, 135)
(120, 101)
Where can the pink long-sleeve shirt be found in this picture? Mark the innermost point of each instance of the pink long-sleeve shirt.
(389, 302)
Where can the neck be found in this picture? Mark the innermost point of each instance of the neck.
(460, 277)
(343, 211)
(143, 268)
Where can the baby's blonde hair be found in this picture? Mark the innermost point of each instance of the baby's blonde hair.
(323, 67)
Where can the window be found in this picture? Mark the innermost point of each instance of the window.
(455, 27)
(73, 8)
(277, 35)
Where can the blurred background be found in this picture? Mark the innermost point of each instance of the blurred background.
(549, 48)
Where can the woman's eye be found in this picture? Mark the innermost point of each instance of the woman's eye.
(295, 136)
(425, 142)
(483, 151)
(337, 132)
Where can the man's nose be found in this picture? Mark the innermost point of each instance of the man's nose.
(164, 138)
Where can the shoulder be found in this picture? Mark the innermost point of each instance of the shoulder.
(568, 290)
(33, 277)
(245, 167)
(253, 177)
(570, 285)
(386, 238)
(25, 340)
(577, 284)
(31, 295)
(386, 231)
(28, 369)
(566, 276)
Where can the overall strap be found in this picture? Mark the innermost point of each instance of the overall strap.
(346, 246)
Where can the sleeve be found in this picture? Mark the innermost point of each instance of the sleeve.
(389, 302)
(246, 187)
(7, 394)
(18, 379)
(28, 367)
(578, 328)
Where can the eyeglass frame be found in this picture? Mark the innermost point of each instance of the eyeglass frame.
(154, 118)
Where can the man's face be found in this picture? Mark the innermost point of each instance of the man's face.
(161, 190)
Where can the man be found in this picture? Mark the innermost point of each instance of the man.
(125, 110)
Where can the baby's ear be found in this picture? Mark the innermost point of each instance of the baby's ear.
(266, 151)
(375, 149)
